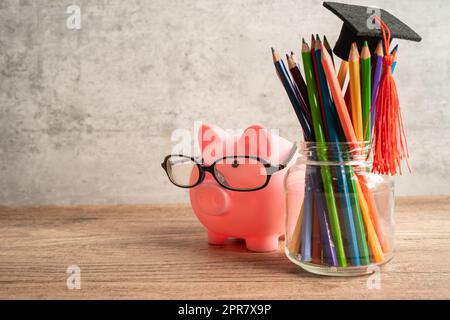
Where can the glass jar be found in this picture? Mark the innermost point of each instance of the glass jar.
(340, 216)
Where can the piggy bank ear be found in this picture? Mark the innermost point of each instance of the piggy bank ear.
(255, 141)
(209, 135)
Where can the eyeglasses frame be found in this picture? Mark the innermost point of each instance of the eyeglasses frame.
(270, 169)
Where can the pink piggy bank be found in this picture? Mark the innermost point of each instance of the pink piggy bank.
(253, 163)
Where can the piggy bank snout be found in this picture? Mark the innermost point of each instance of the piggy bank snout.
(211, 199)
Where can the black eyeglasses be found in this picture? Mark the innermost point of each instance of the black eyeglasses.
(237, 173)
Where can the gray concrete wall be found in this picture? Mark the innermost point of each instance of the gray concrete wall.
(86, 115)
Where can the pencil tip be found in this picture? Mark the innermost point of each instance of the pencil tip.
(395, 51)
(305, 46)
(365, 52)
(325, 54)
(354, 54)
(318, 44)
(303, 41)
(292, 53)
(273, 50)
(379, 49)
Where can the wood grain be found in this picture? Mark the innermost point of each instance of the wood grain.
(161, 252)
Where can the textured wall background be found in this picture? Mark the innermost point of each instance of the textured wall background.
(86, 115)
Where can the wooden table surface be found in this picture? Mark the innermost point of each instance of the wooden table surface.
(161, 252)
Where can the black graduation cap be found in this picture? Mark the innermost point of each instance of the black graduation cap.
(356, 29)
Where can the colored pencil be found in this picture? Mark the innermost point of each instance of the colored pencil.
(347, 99)
(294, 241)
(328, 47)
(338, 99)
(378, 67)
(394, 53)
(373, 210)
(333, 136)
(304, 110)
(316, 245)
(342, 74)
(326, 239)
(297, 76)
(287, 84)
(366, 91)
(329, 115)
(355, 91)
(299, 82)
(301, 100)
(374, 243)
(325, 170)
(307, 221)
(356, 199)
(314, 64)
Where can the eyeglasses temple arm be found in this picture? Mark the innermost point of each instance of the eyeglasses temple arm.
(283, 165)
(289, 157)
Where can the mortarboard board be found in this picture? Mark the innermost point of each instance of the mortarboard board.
(356, 29)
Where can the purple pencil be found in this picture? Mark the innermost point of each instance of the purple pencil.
(329, 251)
(378, 68)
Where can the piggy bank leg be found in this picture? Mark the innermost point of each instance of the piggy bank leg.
(216, 238)
(262, 244)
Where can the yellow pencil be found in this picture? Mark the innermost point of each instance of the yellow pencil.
(355, 92)
(294, 242)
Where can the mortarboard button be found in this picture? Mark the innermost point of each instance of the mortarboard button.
(357, 27)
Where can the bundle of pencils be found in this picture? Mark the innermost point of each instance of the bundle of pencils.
(339, 223)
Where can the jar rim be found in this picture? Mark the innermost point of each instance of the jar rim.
(359, 144)
(341, 151)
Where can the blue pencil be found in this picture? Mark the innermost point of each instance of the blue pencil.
(288, 86)
(333, 137)
(394, 64)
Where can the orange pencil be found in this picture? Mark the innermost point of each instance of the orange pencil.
(373, 213)
(355, 92)
(342, 74)
(372, 237)
(338, 99)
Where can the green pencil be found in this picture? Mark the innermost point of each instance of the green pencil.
(322, 155)
(366, 90)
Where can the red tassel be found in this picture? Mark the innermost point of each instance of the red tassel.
(388, 138)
